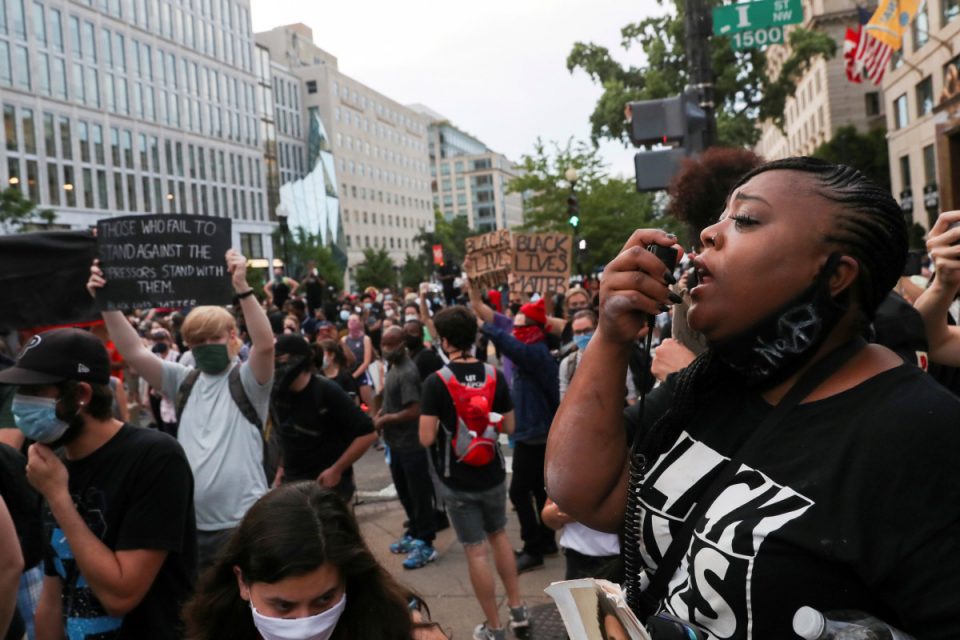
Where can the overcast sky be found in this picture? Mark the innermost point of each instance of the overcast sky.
(496, 69)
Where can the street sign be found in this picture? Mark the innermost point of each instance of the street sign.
(755, 16)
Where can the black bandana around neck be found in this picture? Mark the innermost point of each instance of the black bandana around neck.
(779, 345)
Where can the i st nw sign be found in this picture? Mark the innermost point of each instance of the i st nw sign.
(753, 16)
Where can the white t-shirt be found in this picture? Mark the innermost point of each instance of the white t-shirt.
(589, 542)
(224, 449)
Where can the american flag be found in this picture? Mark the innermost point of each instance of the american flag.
(865, 56)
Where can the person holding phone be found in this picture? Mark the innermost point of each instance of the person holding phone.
(739, 510)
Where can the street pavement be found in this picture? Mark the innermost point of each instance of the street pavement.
(445, 584)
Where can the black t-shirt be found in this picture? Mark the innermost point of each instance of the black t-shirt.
(437, 402)
(402, 388)
(427, 362)
(134, 492)
(345, 381)
(23, 503)
(316, 425)
(854, 504)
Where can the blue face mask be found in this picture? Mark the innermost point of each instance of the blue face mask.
(583, 340)
(37, 418)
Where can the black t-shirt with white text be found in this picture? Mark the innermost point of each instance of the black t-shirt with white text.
(316, 425)
(854, 503)
(437, 402)
(134, 492)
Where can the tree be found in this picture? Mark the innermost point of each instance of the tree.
(18, 214)
(376, 270)
(304, 246)
(744, 93)
(413, 272)
(610, 208)
(864, 151)
(451, 235)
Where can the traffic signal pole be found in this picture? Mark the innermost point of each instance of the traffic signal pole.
(698, 23)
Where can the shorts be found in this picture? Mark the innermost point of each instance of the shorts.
(476, 514)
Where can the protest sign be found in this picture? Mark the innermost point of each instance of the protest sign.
(163, 261)
(43, 276)
(489, 258)
(541, 263)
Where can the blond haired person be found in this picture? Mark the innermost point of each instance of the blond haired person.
(224, 449)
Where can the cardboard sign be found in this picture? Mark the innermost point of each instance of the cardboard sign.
(163, 261)
(541, 263)
(489, 258)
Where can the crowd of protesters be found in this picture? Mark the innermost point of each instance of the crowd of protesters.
(189, 473)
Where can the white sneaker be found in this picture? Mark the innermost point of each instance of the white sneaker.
(483, 632)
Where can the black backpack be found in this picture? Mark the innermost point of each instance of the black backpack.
(271, 444)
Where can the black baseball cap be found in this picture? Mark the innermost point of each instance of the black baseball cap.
(292, 344)
(57, 355)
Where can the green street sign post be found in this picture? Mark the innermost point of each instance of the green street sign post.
(756, 24)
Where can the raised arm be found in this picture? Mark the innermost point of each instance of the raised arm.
(587, 462)
(482, 309)
(424, 313)
(126, 339)
(258, 326)
(933, 304)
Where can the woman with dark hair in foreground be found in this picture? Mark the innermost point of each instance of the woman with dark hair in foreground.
(848, 500)
(298, 568)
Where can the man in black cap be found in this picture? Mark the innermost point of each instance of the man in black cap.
(322, 431)
(119, 522)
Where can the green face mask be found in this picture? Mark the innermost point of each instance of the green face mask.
(211, 358)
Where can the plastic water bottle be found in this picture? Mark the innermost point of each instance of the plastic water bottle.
(810, 624)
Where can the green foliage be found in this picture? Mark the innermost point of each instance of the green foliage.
(414, 272)
(743, 92)
(610, 208)
(19, 214)
(304, 246)
(451, 235)
(864, 151)
(376, 270)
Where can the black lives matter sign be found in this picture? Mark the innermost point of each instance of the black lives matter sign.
(163, 261)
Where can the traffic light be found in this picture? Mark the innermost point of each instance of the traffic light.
(573, 209)
(678, 121)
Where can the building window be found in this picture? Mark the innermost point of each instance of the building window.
(925, 97)
(920, 27)
(905, 178)
(951, 9)
(311, 86)
(900, 116)
(872, 101)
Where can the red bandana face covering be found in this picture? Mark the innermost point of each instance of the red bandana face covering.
(529, 334)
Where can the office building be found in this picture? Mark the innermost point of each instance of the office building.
(922, 92)
(469, 179)
(140, 106)
(377, 166)
(824, 100)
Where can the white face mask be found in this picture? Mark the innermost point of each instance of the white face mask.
(318, 627)
(410, 318)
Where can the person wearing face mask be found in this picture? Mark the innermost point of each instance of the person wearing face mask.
(213, 427)
(535, 391)
(297, 568)
(322, 431)
(334, 366)
(361, 346)
(399, 423)
(120, 552)
(583, 325)
(427, 360)
(791, 463)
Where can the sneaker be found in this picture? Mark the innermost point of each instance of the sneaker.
(403, 545)
(421, 554)
(520, 621)
(483, 632)
(528, 562)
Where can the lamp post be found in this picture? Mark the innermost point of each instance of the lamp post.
(573, 209)
(282, 219)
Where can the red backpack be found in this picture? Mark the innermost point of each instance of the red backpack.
(474, 441)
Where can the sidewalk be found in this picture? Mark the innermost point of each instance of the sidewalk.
(445, 583)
